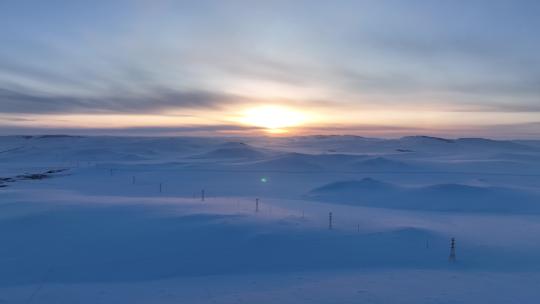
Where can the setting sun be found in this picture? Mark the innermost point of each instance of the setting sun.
(273, 118)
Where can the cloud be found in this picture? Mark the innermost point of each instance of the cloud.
(527, 86)
(154, 101)
(138, 131)
(342, 57)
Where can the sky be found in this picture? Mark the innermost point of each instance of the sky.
(384, 68)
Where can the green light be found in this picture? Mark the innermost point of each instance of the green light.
(264, 180)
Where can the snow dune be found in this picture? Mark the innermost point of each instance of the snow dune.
(438, 197)
(126, 223)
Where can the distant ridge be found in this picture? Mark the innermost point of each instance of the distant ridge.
(367, 183)
(232, 150)
(439, 197)
(424, 137)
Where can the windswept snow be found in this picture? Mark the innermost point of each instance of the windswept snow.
(125, 220)
(438, 197)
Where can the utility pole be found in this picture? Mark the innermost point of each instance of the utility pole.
(133, 180)
(110, 171)
(160, 187)
(202, 195)
(256, 205)
(452, 257)
(330, 221)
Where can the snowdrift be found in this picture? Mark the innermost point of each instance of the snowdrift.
(139, 243)
(384, 164)
(232, 150)
(439, 197)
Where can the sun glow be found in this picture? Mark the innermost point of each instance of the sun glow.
(274, 118)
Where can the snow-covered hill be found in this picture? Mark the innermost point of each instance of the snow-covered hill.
(437, 197)
(315, 219)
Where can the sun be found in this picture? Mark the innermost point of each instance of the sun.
(273, 118)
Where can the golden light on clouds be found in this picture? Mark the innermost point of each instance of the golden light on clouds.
(276, 119)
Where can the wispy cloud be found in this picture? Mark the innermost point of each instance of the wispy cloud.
(13, 101)
(152, 57)
(140, 131)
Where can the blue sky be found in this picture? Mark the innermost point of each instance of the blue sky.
(382, 68)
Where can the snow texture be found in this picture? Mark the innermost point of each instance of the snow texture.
(123, 220)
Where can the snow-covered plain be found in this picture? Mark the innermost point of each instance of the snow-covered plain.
(125, 221)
